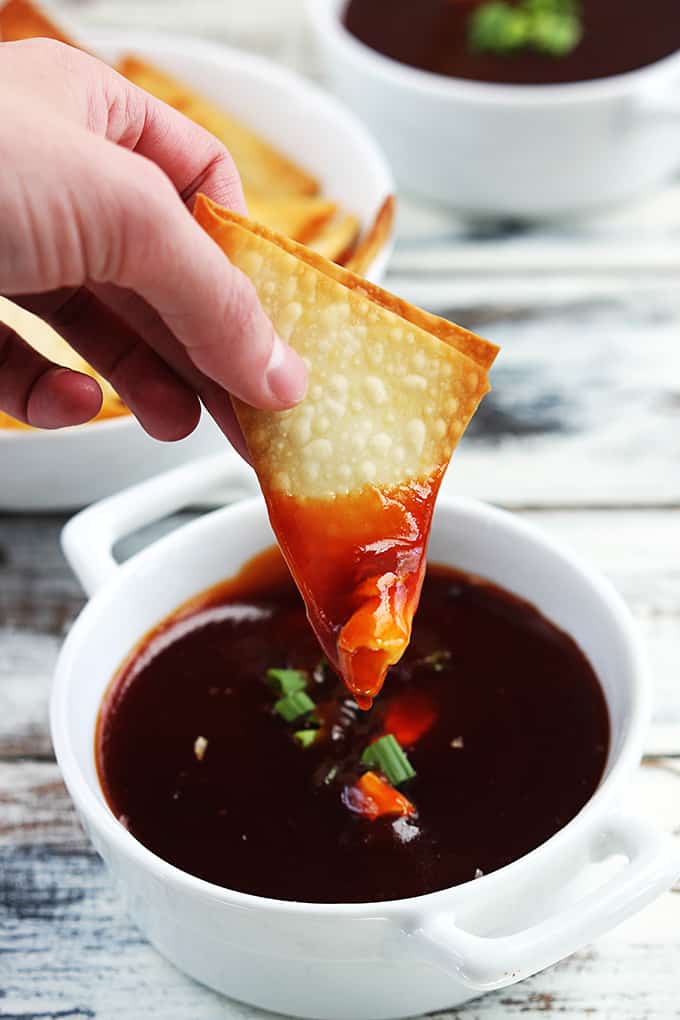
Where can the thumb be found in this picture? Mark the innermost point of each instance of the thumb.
(158, 250)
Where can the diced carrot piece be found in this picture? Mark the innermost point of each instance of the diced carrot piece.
(372, 796)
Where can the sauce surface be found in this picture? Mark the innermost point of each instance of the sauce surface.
(499, 712)
(618, 36)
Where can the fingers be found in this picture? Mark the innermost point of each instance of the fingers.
(206, 303)
(149, 325)
(77, 86)
(191, 157)
(39, 393)
(122, 222)
(228, 338)
(163, 403)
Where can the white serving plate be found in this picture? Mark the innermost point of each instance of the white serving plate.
(71, 467)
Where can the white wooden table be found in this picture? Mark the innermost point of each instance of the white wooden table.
(581, 436)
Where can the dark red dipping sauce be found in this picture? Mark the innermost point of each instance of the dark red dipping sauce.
(517, 743)
(618, 36)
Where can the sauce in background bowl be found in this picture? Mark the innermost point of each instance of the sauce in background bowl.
(618, 36)
(514, 734)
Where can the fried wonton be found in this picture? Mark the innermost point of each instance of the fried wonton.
(268, 176)
(296, 216)
(262, 168)
(335, 240)
(19, 19)
(48, 343)
(351, 474)
(374, 240)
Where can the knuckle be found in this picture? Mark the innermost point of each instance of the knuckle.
(126, 112)
(219, 178)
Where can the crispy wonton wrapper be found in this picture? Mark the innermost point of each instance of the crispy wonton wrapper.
(19, 19)
(351, 474)
(297, 216)
(335, 240)
(48, 343)
(262, 168)
(374, 240)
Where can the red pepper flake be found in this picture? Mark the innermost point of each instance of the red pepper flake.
(372, 796)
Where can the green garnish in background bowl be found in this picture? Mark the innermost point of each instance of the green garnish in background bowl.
(552, 27)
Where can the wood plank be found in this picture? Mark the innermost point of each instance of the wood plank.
(654, 217)
(36, 811)
(584, 412)
(38, 592)
(67, 948)
(452, 294)
(584, 405)
(443, 260)
(583, 402)
(637, 549)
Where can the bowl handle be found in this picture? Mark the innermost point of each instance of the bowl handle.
(89, 537)
(481, 963)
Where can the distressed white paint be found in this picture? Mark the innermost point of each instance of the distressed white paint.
(639, 550)
(588, 311)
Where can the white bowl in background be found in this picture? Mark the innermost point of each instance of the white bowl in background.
(373, 961)
(68, 468)
(509, 150)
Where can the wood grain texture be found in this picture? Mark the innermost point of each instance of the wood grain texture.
(584, 408)
(639, 550)
(584, 415)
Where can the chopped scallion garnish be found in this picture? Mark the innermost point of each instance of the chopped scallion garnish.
(306, 737)
(286, 681)
(552, 27)
(387, 755)
(293, 705)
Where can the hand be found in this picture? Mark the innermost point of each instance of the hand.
(97, 238)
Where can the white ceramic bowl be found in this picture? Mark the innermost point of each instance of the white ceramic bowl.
(376, 960)
(517, 150)
(73, 467)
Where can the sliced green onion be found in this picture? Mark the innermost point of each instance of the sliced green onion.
(553, 27)
(286, 681)
(293, 705)
(498, 27)
(386, 754)
(556, 33)
(331, 774)
(306, 738)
